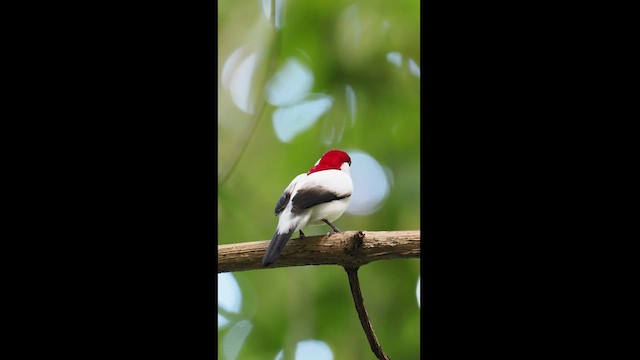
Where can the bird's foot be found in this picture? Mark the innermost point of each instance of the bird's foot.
(301, 235)
(335, 229)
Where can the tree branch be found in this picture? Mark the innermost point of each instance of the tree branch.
(336, 249)
(350, 249)
(354, 283)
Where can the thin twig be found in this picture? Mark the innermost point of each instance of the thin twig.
(354, 283)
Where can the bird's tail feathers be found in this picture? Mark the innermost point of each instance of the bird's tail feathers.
(275, 246)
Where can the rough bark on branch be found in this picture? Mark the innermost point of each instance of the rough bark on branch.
(349, 249)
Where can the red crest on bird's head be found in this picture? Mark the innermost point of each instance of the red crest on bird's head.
(331, 160)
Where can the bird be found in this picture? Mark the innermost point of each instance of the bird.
(319, 196)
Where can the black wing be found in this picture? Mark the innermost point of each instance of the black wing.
(282, 202)
(307, 198)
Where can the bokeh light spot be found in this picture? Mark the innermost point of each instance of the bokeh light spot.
(237, 74)
(234, 339)
(222, 321)
(395, 58)
(351, 103)
(229, 295)
(290, 85)
(418, 291)
(414, 68)
(313, 350)
(266, 8)
(290, 121)
(310, 350)
(370, 184)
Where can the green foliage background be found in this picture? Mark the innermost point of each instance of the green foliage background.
(343, 43)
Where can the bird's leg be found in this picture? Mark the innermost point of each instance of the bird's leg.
(301, 234)
(335, 229)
